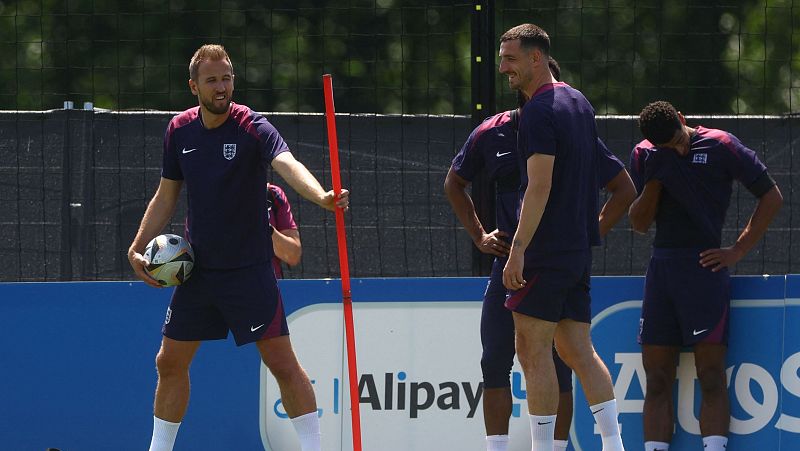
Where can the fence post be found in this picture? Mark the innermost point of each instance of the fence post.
(483, 105)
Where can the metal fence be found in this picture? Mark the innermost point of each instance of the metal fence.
(74, 185)
(413, 77)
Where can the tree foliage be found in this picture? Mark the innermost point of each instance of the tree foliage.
(397, 56)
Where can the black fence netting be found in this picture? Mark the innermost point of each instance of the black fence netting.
(89, 87)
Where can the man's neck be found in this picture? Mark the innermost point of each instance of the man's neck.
(210, 120)
(539, 80)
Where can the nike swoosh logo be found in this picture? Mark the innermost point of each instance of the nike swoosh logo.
(187, 151)
(698, 332)
(501, 154)
(253, 329)
(540, 423)
(598, 410)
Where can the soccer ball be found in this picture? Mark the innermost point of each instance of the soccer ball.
(170, 259)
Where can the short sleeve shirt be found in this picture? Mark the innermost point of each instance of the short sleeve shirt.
(225, 172)
(559, 121)
(492, 149)
(280, 217)
(696, 187)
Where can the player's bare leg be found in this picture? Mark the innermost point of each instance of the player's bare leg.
(496, 413)
(715, 406)
(534, 343)
(172, 391)
(496, 410)
(297, 394)
(574, 345)
(564, 417)
(660, 363)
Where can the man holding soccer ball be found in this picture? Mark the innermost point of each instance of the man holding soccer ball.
(221, 151)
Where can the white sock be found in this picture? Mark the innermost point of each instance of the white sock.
(560, 445)
(497, 442)
(656, 446)
(715, 443)
(307, 428)
(542, 429)
(164, 434)
(605, 415)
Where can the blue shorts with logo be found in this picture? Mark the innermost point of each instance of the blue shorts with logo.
(245, 301)
(497, 337)
(684, 303)
(557, 287)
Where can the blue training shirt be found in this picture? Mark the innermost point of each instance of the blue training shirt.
(559, 121)
(225, 172)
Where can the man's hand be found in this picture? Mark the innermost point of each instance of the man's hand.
(139, 265)
(512, 273)
(657, 160)
(720, 258)
(343, 201)
(493, 243)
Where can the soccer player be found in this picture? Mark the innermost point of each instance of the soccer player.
(221, 151)
(285, 237)
(549, 263)
(492, 147)
(684, 176)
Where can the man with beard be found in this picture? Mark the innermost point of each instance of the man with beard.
(221, 151)
(492, 149)
(549, 262)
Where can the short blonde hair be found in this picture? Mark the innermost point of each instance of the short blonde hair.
(208, 52)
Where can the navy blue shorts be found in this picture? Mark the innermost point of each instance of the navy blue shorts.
(684, 303)
(557, 287)
(497, 337)
(245, 301)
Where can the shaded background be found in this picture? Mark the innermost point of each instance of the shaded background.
(411, 80)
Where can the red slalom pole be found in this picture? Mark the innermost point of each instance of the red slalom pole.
(347, 300)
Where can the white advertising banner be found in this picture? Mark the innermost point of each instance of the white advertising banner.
(419, 366)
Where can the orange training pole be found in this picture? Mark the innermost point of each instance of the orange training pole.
(347, 300)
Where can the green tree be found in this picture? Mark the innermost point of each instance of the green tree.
(763, 56)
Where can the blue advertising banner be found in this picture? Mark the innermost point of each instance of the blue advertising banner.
(754, 362)
(77, 368)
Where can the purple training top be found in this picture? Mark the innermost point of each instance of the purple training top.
(559, 121)
(492, 148)
(280, 216)
(696, 187)
(225, 172)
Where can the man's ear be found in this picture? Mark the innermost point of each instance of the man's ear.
(536, 55)
(682, 119)
(193, 87)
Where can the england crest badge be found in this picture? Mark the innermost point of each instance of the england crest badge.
(229, 151)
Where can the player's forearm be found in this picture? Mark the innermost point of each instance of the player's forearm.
(287, 247)
(156, 217)
(623, 194)
(768, 206)
(300, 178)
(643, 210)
(464, 208)
(304, 182)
